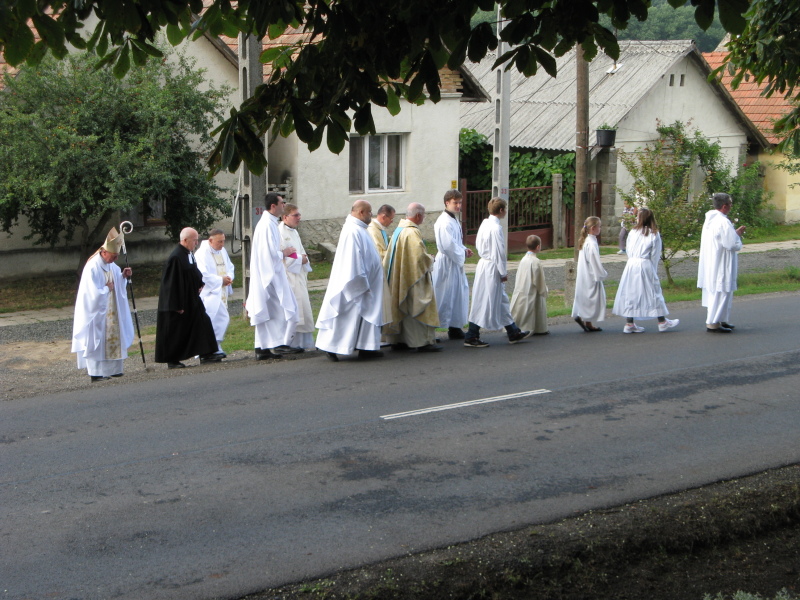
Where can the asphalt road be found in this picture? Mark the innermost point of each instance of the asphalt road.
(223, 483)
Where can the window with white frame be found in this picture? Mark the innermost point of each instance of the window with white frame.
(376, 163)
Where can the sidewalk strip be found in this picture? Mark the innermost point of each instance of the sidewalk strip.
(422, 411)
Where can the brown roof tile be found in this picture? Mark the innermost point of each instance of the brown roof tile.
(762, 111)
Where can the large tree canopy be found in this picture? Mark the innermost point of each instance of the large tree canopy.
(358, 53)
(80, 145)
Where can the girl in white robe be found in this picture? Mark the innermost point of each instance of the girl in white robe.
(589, 304)
(639, 293)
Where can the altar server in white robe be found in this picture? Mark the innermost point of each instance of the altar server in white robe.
(719, 264)
(297, 269)
(449, 280)
(102, 330)
(529, 301)
(218, 273)
(491, 308)
(639, 293)
(270, 301)
(351, 314)
(589, 304)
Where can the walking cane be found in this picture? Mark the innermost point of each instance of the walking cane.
(125, 228)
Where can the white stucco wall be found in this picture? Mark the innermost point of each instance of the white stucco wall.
(785, 189)
(695, 104)
(430, 156)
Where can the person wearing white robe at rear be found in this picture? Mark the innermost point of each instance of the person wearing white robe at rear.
(270, 302)
(450, 284)
(639, 293)
(719, 264)
(351, 314)
(297, 269)
(102, 330)
(218, 273)
(589, 304)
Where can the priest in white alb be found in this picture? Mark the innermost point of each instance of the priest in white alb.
(297, 269)
(719, 264)
(351, 314)
(270, 301)
(102, 330)
(449, 279)
(218, 272)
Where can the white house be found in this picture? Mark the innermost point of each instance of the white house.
(652, 83)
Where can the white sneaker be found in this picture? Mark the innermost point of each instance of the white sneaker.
(668, 324)
(632, 328)
(622, 252)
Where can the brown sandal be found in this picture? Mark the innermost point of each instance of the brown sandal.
(580, 323)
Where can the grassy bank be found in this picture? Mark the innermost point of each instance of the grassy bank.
(741, 534)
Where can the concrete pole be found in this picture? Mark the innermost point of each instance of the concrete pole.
(581, 167)
(254, 187)
(502, 123)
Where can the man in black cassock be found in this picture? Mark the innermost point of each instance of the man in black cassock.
(183, 329)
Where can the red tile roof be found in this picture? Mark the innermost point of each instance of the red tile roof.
(762, 111)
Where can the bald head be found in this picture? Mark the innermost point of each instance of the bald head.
(415, 212)
(362, 210)
(189, 238)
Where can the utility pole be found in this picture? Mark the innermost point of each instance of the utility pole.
(502, 123)
(581, 210)
(581, 144)
(254, 187)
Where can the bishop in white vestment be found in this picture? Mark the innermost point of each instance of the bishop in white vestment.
(218, 273)
(102, 330)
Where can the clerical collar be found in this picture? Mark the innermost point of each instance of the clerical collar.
(449, 213)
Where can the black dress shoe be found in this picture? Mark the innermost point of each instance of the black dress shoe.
(210, 358)
(455, 333)
(728, 325)
(96, 378)
(283, 349)
(719, 329)
(401, 347)
(369, 354)
(430, 348)
(332, 356)
(176, 365)
(265, 354)
(222, 355)
(117, 375)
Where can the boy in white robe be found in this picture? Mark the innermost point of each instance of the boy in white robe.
(351, 314)
(450, 283)
(102, 330)
(297, 269)
(218, 273)
(719, 264)
(529, 302)
(490, 306)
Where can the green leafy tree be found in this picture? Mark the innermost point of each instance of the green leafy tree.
(531, 168)
(79, 145)
(769, 50)
(667, 23)
(357, 54)
(662, 174)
